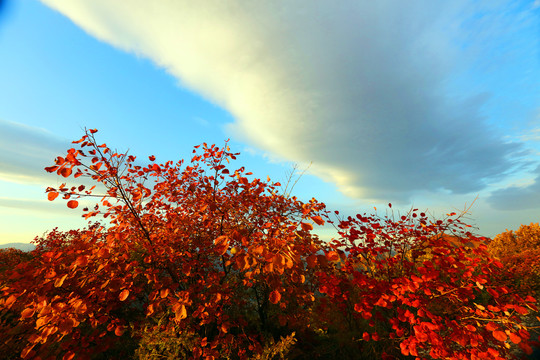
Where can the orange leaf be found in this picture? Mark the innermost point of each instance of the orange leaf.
(318, 220)
(28, 352)
(123, 295)
(222, 244)
(306, 226)
(69, 355)
(332, 256)
(72, 204)
(52, 195)
(10, 300)
(81, 261)
(181, 313)
(26, 313)
(164, 293)
(515, 338)
(499, 335)
(275, 296)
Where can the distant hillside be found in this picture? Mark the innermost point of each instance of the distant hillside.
(20, 246)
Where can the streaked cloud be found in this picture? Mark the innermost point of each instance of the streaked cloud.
(518, 197)
(25, 151)
(366, 90)
(42, 206)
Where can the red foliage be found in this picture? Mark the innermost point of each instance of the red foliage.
(227, 264)
(431, 294)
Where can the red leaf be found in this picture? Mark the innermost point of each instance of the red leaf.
(311, 260)
(521, 310)
(526, 347)
(51, 168)
(52, 195)
(152, 158)
(275, 296)
(243, 180)
(72, 204)
(92, 131)
(119, 331)
(499, 335)
(404, 348)
(123, 295)
(65, 172)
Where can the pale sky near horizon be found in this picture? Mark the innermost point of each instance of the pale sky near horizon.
(422, 104)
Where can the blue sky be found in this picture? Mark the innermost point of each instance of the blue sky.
(419, 103)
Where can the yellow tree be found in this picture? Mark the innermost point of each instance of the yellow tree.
(508, 243)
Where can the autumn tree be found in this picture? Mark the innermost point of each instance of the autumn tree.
(527, 237)
(192, 250)
(519, 251)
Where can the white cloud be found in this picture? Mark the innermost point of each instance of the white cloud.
(357, 87)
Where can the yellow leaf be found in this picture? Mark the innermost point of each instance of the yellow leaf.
(58, 282)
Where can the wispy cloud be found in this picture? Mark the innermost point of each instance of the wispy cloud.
(42, 206)
(25, 151)
(361, 88)
(518, 197)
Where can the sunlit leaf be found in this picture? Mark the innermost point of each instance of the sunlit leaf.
(60, 281)
(123, 295)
